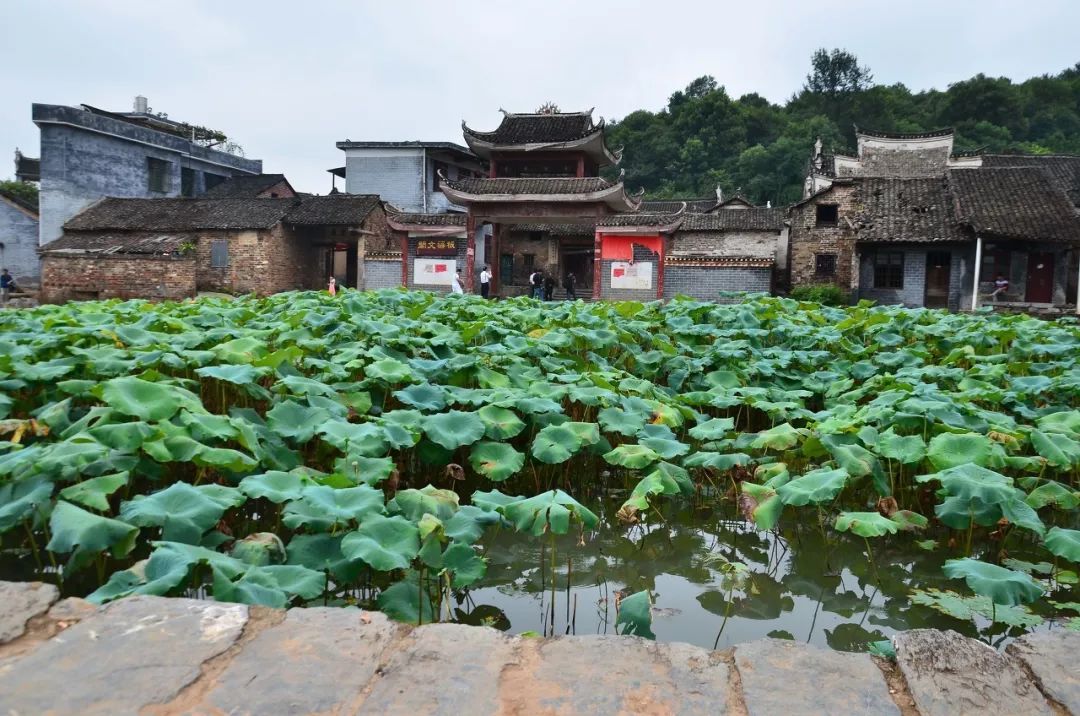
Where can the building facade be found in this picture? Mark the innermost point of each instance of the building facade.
(19, 238)
(88, 154)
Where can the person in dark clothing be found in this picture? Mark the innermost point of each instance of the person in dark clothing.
(7, 284)
(570, 284)
(549, 287)
(537, 285)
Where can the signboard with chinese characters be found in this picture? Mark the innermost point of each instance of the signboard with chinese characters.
(433, 272)
(436, 247)
(631, 275)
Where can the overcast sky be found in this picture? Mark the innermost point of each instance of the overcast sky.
(287, 80)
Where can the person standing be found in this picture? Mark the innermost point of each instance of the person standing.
(7, 285)
(332, 287)
(537, 281)
(455, 283)
(549, 287)
(485, 282)
(570, 284)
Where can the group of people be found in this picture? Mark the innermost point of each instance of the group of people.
(543, 286)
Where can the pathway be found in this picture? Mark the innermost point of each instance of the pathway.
(156, 656)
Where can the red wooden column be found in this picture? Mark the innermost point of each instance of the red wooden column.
(494, 261)
(581, 166)
(470, 252)
(405, 259)
(660, 268)
(597, 254)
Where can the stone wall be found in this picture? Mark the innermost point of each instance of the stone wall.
(66, 278)
(706, 282)
(625, 294)
(740, 244)
(807, 239)
(382, 272)
(19, 236)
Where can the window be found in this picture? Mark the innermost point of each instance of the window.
(528, 261)
(187, 182)
(888, 269)
(824, 265)
(506, 268)
(827, 214)
(219, 254)
(158, 174)
(212, 180)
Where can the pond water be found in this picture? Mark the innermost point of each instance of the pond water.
(795, 585)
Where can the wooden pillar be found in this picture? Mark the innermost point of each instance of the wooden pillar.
(581, 166)
(978, 268)
(660, 269)
(470, 252)
(597, 253)
(495, 260)
(491, 169)
(405, 259)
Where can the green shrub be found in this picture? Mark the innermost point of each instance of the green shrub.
(828, 294)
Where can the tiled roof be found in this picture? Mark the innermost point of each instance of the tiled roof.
(639, 219)
(550, 185)
(335, 209)
(1064, 169)
(244, 187)
(126, 243)
(943, 132)
(16, 199)
(444, 219)
(907, 210)
(180, 214)
(555, 229)
(754, 219)
(697, 206)
(517, 129)
(1018, 202)
(27, 168)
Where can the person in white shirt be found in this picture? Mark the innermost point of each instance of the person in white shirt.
(485, 282)
(455, 285)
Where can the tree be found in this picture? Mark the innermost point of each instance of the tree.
(23, 190)
(836, 72)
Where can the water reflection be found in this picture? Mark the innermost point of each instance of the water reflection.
(798, 584)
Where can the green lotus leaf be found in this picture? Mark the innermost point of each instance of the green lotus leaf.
(1067, 422)
(414, 504)
(632, 456)
(764, 504)
(367, 470)
(967, 608)
(245, 349)
(182, 512)
(364, 439)
(713, 429)
(655, 483)
(469, 522)
(389, 371)
(491, 501)
(815, 487)
(92, 493)
(665, 448)
(782, 437)
(548, 512)
(555, 444)
(908, 520)
(537, 406)
(1059, 449)
(297, 422)
(145, 400)
(717, 461)
(998, 584)
(260, 549)
(907, 449)
(858, 461)
(406, 602)
(322, 508)
(635, 616)
(270, 586)
(275, 485)
(22, 500)
(122, 436)
(865, 524)
(385, 543)
(1053, 493)
(236, 374)
(500, 423)
(496, 461)
(952, 450)
(322, 552)
(453, 429)
(464, 564)
(617, 420)
(422, 396)
(85, 534)
(1063, 543)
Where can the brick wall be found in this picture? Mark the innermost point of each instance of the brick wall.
(462, 247)
(65, 278)
(518, 244)
(626, 294)
(807, 239)
(381, 273)
(706, 282)
(261, 261)
(755, 244)
(913, 292)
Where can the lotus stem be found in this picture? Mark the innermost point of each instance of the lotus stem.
(33, 546)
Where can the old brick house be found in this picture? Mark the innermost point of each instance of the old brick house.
(173, 248)
(19, 237)
(909, 221)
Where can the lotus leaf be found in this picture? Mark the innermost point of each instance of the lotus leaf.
(496, 461)
(998, 584)
(454, 429)
(1064, 543)
(363, 439)
(1059, 449)
(865, 524)
(951, 450)
(815, 487)
(145, 400)
(500, 423)
(183, 512)
(275, 485)
(23, 499)
(322, 552)
(85, 534)
(548, 512)
(322, 508)
(632, 456)
(385, 543)
(92, 493)
(414, 504)
(635, 615)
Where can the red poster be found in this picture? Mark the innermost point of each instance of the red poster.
(440, 268)
(619, 272)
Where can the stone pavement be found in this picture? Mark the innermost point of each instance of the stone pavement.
(156, 657)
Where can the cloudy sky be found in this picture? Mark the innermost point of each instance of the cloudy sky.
(288, 79)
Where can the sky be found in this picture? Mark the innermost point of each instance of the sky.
(286, 80)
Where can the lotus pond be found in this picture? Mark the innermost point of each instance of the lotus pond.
(698, 472)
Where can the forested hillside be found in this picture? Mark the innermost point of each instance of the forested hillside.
(704, 137)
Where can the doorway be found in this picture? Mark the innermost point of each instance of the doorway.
(1040, 277)
(938, 272)
(578, 260)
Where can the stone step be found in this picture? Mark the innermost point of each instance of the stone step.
(157, 656)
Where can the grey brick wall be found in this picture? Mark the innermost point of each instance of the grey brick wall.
(706, 283)
(380, 274)
(608, 293)
(914, 290)
(462, 247)
(19, 235)
(398, 179)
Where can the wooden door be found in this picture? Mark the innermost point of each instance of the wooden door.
(938, 268)
(1040, 277)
